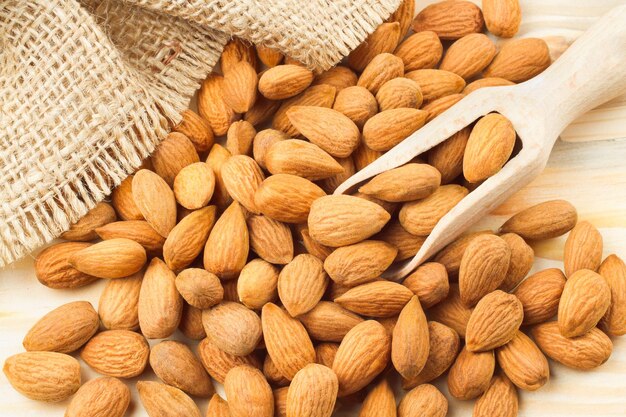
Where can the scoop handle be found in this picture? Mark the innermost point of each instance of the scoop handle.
(591, 72)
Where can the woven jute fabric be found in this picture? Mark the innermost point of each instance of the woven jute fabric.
(89, 88)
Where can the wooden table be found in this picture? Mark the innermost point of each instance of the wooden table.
(588, 168)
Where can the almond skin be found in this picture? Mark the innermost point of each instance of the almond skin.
(286, 340)
(329, 129)
(520, 60)
(232, 327)
(218, 363)
(613, 270)
(301, 158)
(399, 92)
(117, 353)
(383, 39)
(545, 220)
(524, 364)
(585, 299)
(122, 201)
(262, 111)
(471, 373)
(319, 96)
(239, 137)
(489, 147)
(380, 401)
(376, 299)
(191, 323)
(218, 155)
(284, 81)
(522, 258)
(64, 329)
(162, 400)
(584, 352)
(451, 255)
(500, 399)
(452, 311)
(212, 107)
(483, 267)
(240, 83)
(421, 50)
(502, 17)
(435, 83)
(257, 283)
(262, 143)
(172, 155)
(106, 397)
(494, 321)
(540, 294)
(339, 77)
(114, 258)
(156, 201)
(272, 374)
(287, 198)
(218, 407)
(406, 243)
(268, 56)
(429, 282)
(237, 50)
(199, 287)
(404, 16)
(43, 376)
(84, 229)
(425, 400)
(450, 20)
(382, 68)
(301, 284)
(160, 304)
(197, 130)
(138, 230)
(312, 392)
(118, 306)
(188, 238)
(362, 355)
(329, 322)
(420, 217)
(583, 249)
(357, 103)
(53, 269)
(388, 128)
(325, 353)
(242, 177)
(226, 250)
(410, 340)
(406, 183)
(248, 393)
(194, 186)
(468, 56)
(176, 365)
(341, 220)
(359, 263)
(270, 239)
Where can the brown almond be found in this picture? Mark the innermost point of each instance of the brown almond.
(117, 353)
(270, 239)
(613, 270)
(240, 83)
(356, 102)
(119, 301)
(242, 177)
(114, 258)
(262, 111)
(436, 83)
(388, 128)
(359, 263)
(280, 401)
(199, 287)
(586, 298)
(452, 311)
(312, 392)
(172, 155)
(468, 56)
(383, 39)
(160, 304)
(380, 401)
(486, 82)
(188, 237)
(239, 137)
(399, 92)
(424, 400)
(406, 243)
(406, 183)
(363, 156)
(257, 283)
(138, 230)
(197, 130)
(269, 56)
(218, 407)
(382, 68)
(325, 353)
(520, 60)
(500, 399)
(583, 249)
(53, 269)
(339, 77)
(450, 19)
(226, 250)
(84, 229)
(212, 107)
(421, 50)
(451, 255)
(163, 400)
(301, 158)
(122, 201)
(262, 143)
(330, 184)
(429, 282)
(522, 258)
(232, 327)
(284, 81)
(194, 186)
(272, 374)
(471, 374)
(237, 50)
(301, 284)
(248, 393)
(156, 201)
(410, 340)
(524, 364)
(376, 299)
(105, 397)
(502, 17)
(540, 294)
(191, 323)
(314, 248)
(329, 322)
(362, 355)
(218, 155)
(218, 363)
(438, 106)
(287, 198)
(322, 95)
(485, 333)
(404, 16)
(545, 220)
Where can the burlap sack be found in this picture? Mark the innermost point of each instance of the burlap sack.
(89, 88)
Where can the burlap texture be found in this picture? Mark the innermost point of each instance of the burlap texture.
(89, 88)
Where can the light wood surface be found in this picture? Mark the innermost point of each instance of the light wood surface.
(587, 169)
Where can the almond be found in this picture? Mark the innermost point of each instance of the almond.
(212, 107)
(286, 340)
(524, 364)
(199, 288)
(242, 177)
(280, 401)
(216, 158)
(451, 255)
(485, 333)
(194, 186)
(500, 399)
(363, 156)
(43, 376)
(435, 83)
(420, 217)
(376, 299)
(64, 329)
(237, 50)
(240, 82)
(468, 56)
(117, 353)
(356, 102)
(329, 322)
(226, 250)
(248, 393)
(452, 311)
(522, 258)
(156, 201)
(284, 81)
(502, 17)
(410, 340)
(53, 269)
(362, 355)
(584, 352)
(586, 298)
(269, 56)
(421, 50)
(314, 248)
(232, 327)
(118, 306)
(388, 206)
(471, 374)
(301, 284)
(542, 221)
(404, 16)
(444, 346)
(188, 237)
(312, 392)
(162, 400)
(105, 397)
(218, 407)
(383, 39)
(388, 128)
(485, 82)
(262, 111)
(239, 137)
(399, 92)
(160, 304)
(341, 220)
(114, 258)
(359, 263)
(406, 243)
(520, 60)
(319, 95)
(330, 184)
(583, 249)
(613, 270)
(327, 128)
(429, 282)
(218, 363)
(406, 183)
(287, 198)
(172, 155)
(262, 143)
(382, 68)
(197, 130)
(325, 353)
(425, 401)
(483, 267)
(122, 201)
(380, 401)
(339, 77)
(191, 323)
(438, 106)
(301, 158)
(176, 365)
(272, 374)
(138, 230)
(540, 294)
(84, 229)
(450, 19)
(257, 283)
(270, 239)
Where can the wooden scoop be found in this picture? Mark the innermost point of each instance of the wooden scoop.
(591, 72)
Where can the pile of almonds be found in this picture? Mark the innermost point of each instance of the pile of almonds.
(281, 282)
